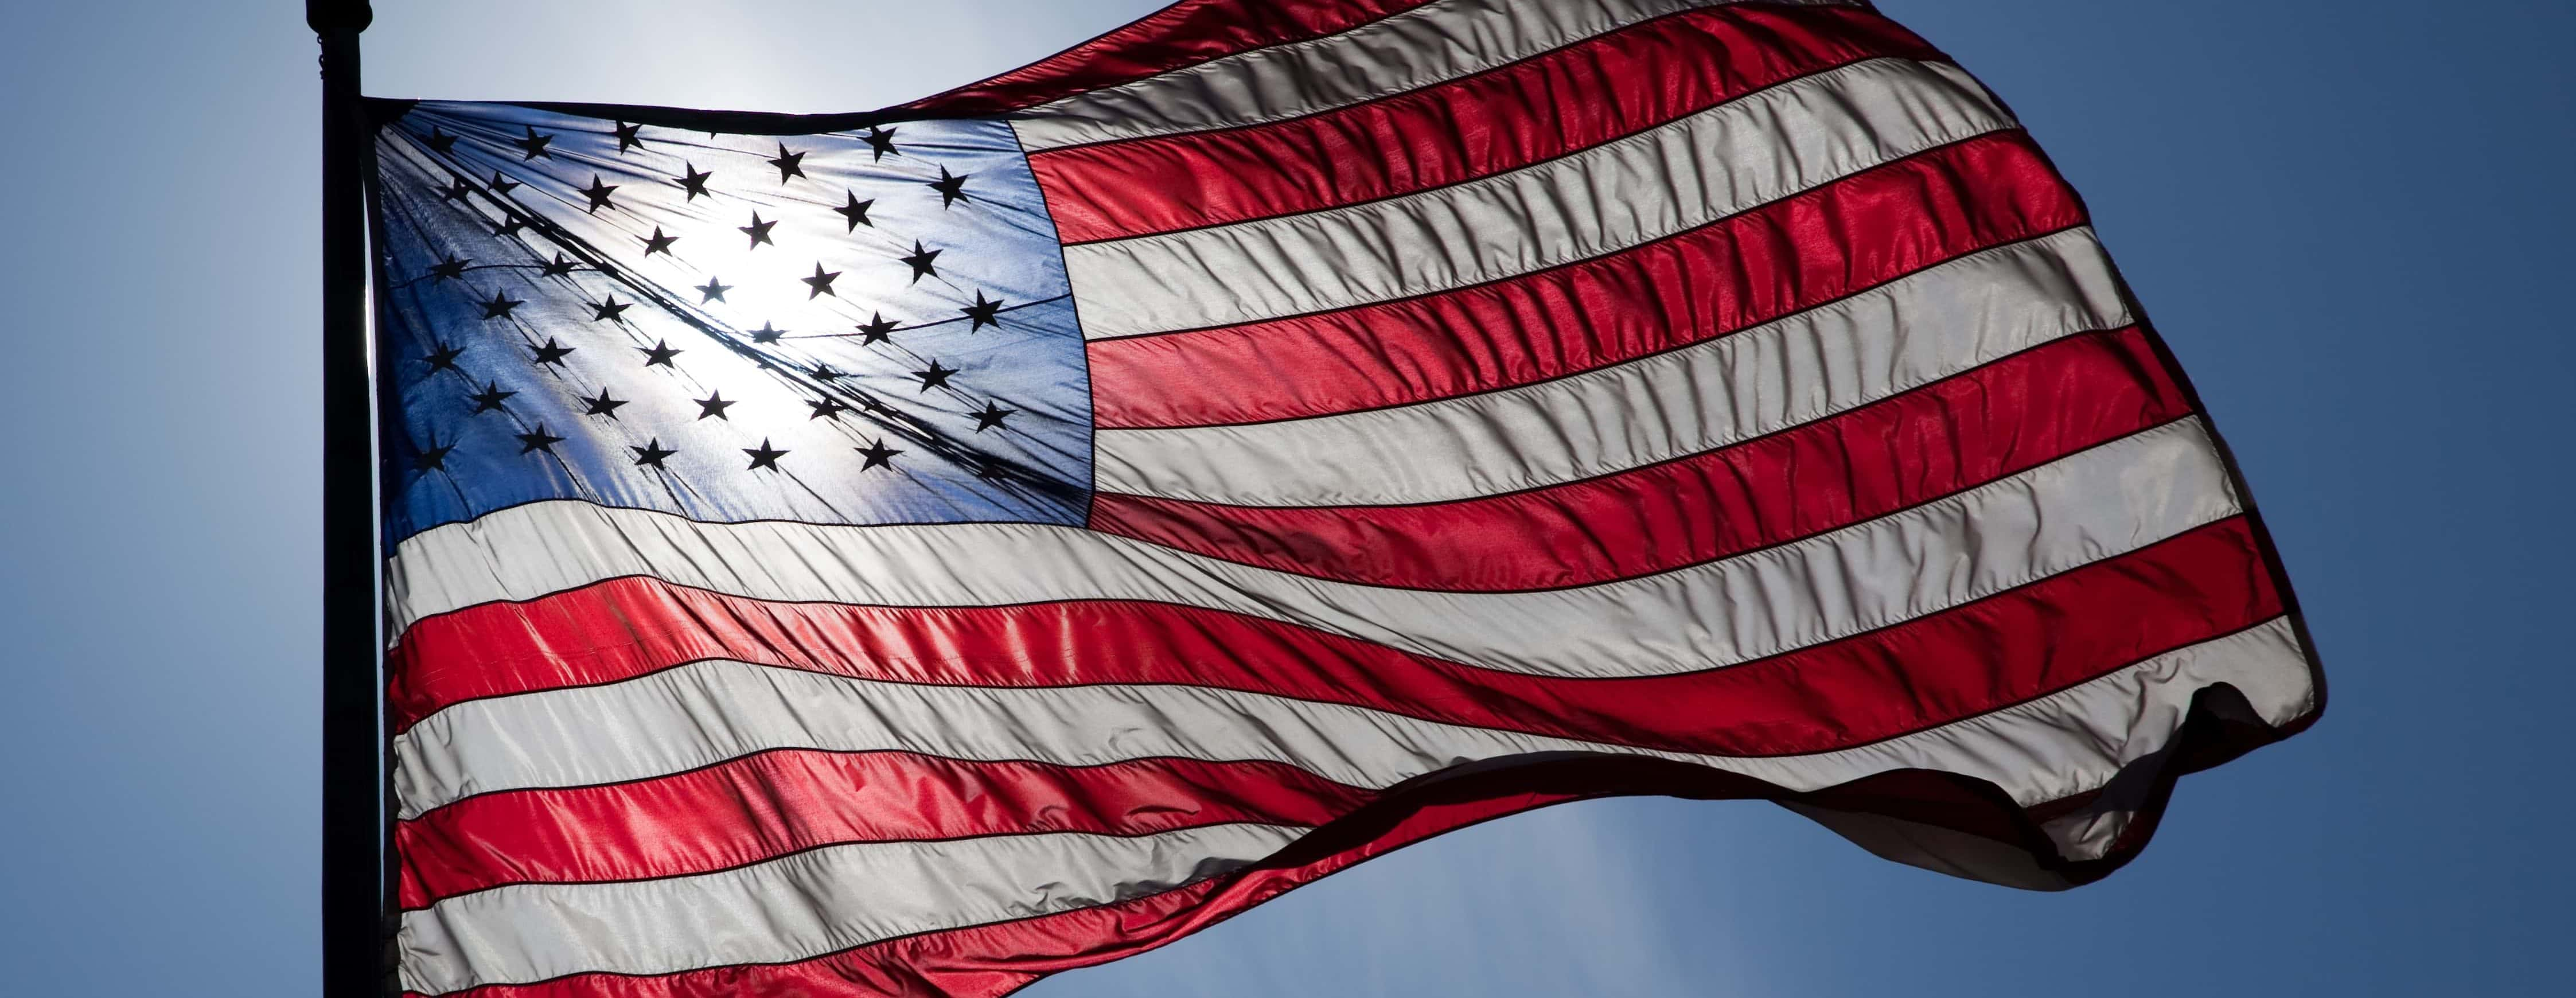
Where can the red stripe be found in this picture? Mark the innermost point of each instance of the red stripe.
(1953, 434)
(1184, 34)
(1794, 254)
(1892, 682)
(1572, 98)
(1922, 672)
(764, 806)
(988, 961)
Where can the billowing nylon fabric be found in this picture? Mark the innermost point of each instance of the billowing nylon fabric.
(709, 712)
(1676, 177)
(1033, 874)
(1866, 462)
(1551, 104)
(1184, 34)
(1437, 41)
(767, 805)
(1931, 325)
(843, 896)
(2103, 501)
(912, 553)
(759, 806)
(1801, 252)
(1878, 683)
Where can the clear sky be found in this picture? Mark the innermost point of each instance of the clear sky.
(2346, 215)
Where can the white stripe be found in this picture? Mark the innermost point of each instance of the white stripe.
(1662, 181)
(802, 906)
(832, 899)
(1906, 334)
(1423, 46)
(707, 712)
(2078, 741)
(2102, 502)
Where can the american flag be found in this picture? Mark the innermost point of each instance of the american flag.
(913, 552)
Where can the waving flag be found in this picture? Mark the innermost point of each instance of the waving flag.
(909, 553)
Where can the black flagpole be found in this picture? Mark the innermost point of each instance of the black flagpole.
(355, 936)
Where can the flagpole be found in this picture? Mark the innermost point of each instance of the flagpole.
(355, 928)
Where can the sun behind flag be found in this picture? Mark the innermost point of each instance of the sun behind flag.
(913, 552)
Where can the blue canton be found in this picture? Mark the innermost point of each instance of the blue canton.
(864, 326)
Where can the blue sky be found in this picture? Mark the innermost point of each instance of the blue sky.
(2346, 215)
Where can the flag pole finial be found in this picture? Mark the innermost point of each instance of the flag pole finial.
(327, 17)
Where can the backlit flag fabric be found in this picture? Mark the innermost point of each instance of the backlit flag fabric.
(912, 552)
